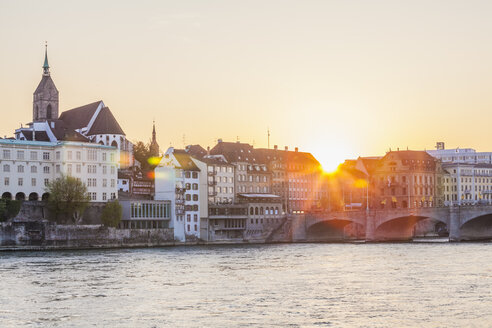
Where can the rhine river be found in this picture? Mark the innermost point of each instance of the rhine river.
(287, 285)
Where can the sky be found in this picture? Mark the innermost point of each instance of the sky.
(340, 79)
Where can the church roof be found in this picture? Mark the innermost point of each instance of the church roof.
(44, 83)
(64, 132)
(40, 135)
(105, 123)
(79, 117)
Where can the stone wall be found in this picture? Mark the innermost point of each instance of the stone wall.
(36, 210)
(48, 235)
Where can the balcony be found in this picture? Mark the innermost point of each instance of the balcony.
(211, 173)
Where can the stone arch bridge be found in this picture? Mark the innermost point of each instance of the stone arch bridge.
(462, 222)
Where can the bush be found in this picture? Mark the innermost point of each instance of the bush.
(112, 213)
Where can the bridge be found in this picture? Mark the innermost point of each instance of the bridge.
(462, 223)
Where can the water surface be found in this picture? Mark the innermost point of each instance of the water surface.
(288, 285)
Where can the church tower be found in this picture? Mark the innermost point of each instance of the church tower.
(154, 146)
(45, 100)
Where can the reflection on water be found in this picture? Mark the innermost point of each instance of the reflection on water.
(369, 285)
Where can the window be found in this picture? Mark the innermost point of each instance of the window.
(20, 155)
(33, 182)
(112, 157)
(105, 183)
(20, 169)
(57, 155)
(104, 155)
(20, 181)
(188, 217)
(78, 156)
(105, 170)
(6, 154)
(195, 186)
(187, 175)
(46, 155)
(91, 154)
(46, 182)
(57, 168)
(104, 196)
(112, 169)
(69, 155)
(34, 169)
(113, 195)
(195, 175)
(6, 168)
(34, 156)
(69, 168)
(195, 228)
(78, 168)
(195, 197)
(188, 197)
(112, 183)
(195, 218)
(46, 169)
(6, 181)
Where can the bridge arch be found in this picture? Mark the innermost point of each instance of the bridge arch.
(476, 228)
(403, 227)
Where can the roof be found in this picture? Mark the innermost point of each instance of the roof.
(237, 152)
(409, 155)
(44, 83)
(196, 151)
(105, 123)
(185, 161)
(63, 132)
(79, 117)
(39, 135)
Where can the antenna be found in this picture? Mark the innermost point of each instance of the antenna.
(184, 140)
(268, 132)
(237, 138)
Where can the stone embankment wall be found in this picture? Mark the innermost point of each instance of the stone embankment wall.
(49, 235)
(35, 210)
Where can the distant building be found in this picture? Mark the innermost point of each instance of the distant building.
(406, 179)
(28, 166)
(182, 179)
(460, 155)
(467, 184)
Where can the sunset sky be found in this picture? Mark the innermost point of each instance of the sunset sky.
(336, 78)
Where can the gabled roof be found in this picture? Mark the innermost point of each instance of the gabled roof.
(105, 123)
(185, 161)
(79, 117)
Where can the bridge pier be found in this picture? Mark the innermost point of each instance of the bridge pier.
(370, 225)
(454, 223)
(299, 228)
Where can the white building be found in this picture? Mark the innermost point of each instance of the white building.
(460, 155)
(26, 167)
(467, 184)
(179, 178)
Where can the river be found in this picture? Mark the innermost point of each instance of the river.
(284, 285)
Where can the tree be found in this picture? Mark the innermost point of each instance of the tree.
(111, 214)
(9, 208)
(143, 154)
(68, 199)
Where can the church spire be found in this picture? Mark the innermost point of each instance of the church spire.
(46, 67)
(153, 133)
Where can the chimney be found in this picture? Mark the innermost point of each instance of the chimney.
(208, 150)
(286, 148)
(219, 140)
(52, 125)
(33, 135)
(275, 147)
(297, 149)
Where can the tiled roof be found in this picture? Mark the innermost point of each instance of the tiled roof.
(79, 117)
(196, 151)
(105, 123)
(238, 152)
(63, 132)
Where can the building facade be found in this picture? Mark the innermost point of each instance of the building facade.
(26, 168)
